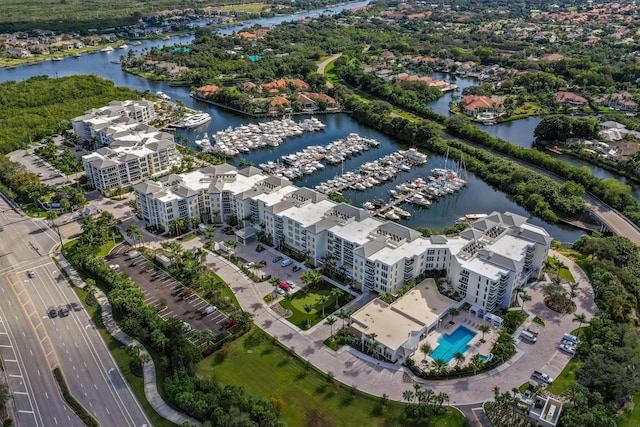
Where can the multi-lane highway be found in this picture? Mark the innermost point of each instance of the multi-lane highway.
(32, 343)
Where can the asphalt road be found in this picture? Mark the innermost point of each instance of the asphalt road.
(32, 343)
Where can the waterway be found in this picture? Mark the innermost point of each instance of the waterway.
(477, 197)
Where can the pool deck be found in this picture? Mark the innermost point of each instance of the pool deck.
(475, 345)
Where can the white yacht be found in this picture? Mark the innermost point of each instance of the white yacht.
(161, 95)
(195, 120)
(107, 49)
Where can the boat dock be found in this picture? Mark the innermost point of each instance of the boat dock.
(246, 138)
(418, 192)
(374, 173)
(313, 158)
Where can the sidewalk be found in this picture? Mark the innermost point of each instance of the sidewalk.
(150, 386)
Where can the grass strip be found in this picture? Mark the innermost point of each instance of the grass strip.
(78, 409)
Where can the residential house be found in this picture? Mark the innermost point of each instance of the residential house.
(570, 99)
(622, 100)
(472, 105)
(307, 103)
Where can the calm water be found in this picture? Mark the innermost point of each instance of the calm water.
(477, 197)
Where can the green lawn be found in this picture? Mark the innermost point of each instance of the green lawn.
(313, 297)
(566, 377)
(565, 274)
(266, 370)
(631, 418)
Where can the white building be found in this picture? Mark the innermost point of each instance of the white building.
(483, 264)
(140, 154)
(96, 120)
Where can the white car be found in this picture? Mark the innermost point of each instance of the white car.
(114, 266)
(567, 348)
(280, 291)
(209, 310)
(291, 284)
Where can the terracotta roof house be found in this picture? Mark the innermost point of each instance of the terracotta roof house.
(552, 57)
(246, 35)
(331, 103)
(279, 85)
(570, 98)
(622, 100)
(388, 55)
(278, 104)
(248, 86)
(475, 104)
(208, 90)
(307, 103)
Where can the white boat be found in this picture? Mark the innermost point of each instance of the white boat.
(471, 218)
(160, 94)
(136, 43)
(391, 215)
(419, 200)
(58, 58)
(204, 142)
(369, 206)
(401, 213)
(195, 120)
(107, 49)
(123, 46)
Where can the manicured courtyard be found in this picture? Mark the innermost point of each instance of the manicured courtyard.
(312, 298)
(305, 395)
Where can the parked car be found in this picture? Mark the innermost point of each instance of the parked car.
(177, 290)
(291, 284)
(567, 349)
(229, 323)
(209, 310)
(52, 312)
(542, 377)
(287, 262)
(63, 310)
(262, 263)
(133, 255)
(296, 268)
(285, 286)
(187, 326)
(280, 291)
(114, 266)
(278, 258)
(31, 274)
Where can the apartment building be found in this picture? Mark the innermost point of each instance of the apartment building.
(483, 263)
(96, 120)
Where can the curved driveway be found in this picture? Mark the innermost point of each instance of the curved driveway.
(378, 378)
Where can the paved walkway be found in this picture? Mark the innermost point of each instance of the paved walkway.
(150, 386)
(378, 378)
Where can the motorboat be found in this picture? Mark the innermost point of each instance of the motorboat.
(161, 95)
(392, 215)
(195, 120)
(419, 200)
(204, 142)
(123, 46)
(401, 213)
(107, 49)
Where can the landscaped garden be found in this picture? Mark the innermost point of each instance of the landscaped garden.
(313, 303)
(303, 395)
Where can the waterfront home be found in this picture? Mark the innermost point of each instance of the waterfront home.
(622, 101)
(472, 105)
(570, 99)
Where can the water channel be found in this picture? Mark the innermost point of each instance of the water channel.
(476, 197)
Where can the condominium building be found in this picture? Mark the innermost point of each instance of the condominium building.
(483, 263)
(98, 120)
(140, 152)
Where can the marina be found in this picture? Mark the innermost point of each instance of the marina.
(374, 173)
(314, 157)
(246, 138)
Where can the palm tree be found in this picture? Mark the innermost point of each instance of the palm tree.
(580, 318)
(408, 395)
(344, 315)
(439, 365)
(337, 292)
(330, 321)
(312, 277)
(307, 309)
(370, 340)
(475, 363)
(524, 298)
(231, 245)
(133, 232)
(484, 329)
(459, 358)
(453, 312)
(323, 301)
(426, 350)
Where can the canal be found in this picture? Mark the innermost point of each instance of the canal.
(476, 197)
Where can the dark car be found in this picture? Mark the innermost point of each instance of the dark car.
(262, 263)
(52, 312)
(277, 259)
(63, 310)
(296, 268)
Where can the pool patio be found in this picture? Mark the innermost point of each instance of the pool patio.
(449, 325)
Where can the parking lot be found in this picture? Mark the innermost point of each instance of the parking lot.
(172, 298)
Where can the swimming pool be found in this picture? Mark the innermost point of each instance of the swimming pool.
(451, 344)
